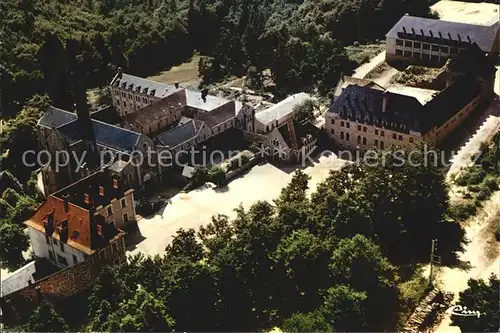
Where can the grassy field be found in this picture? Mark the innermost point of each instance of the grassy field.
(185, 74)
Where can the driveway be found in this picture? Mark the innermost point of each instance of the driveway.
(193, 209)
(364, 69)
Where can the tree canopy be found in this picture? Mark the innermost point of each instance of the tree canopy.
(315, 263)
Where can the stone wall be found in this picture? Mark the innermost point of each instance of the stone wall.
(62, 284)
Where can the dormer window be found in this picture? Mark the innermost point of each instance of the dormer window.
(99, 230)
(101, 191)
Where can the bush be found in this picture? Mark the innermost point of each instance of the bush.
(218, 176)
(471, 176)
(463, 210)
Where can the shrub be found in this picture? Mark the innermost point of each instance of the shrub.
(471, 176)
(218, 176)
(462, 211)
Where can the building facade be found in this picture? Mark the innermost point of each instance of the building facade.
(417, 40)
(80, 219)
(362, 118)
(277, 115)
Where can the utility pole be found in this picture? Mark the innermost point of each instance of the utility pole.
(434, 259)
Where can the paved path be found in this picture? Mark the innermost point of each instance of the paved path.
(196, 208)
(364, 69)
(384, 79)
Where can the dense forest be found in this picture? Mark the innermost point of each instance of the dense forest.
(48, 44)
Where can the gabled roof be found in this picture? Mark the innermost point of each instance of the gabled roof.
(145, 86)
(55, 117)
(460, 33)
(449, 101)
(282, 109)
(219, 115)
(185, 130)
(106, 135)
(158, 110)
(473, 62)
(365, 105)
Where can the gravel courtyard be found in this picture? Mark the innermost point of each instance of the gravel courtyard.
(193, 209)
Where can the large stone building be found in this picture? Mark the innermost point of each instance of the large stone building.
(362, 117)
(60, 130)
(80, 219)
(73, 234)
(417, 40)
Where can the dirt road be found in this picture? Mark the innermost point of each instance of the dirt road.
(480, 257)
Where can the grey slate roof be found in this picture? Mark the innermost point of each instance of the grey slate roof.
(55, 117)
(185, 130)
(219, 115)
(130, 82)
(449, 101)
(105, 134)
(484, 36)
(364, 105)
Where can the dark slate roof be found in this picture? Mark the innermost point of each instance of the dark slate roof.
(484, 36)
(219, 115)
(450, 101)
(184, 131)
(473, 62)
(75, 193)
(55, 117)
(145, 86)
(105, 134)
(364, 105)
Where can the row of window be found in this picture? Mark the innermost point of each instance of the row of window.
(61, 259)
(433, 40)
(137, 98)
(426, 47)
(409, 54)
(362, 140)
(364, 129)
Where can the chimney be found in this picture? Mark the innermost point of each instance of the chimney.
(101, 191)
(468, 38)
(430, 32)
(120, 73)
(459, 38)
(404, 29)
(115, 183)
(385, 96)
(86, 198)
(66, 203)
(176, 85)
(440, 35)
(204, 94)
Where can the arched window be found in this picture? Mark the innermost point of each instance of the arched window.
(359, 139)
(347, 136)
(342, 135)
(381, 144)
(364, 141)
